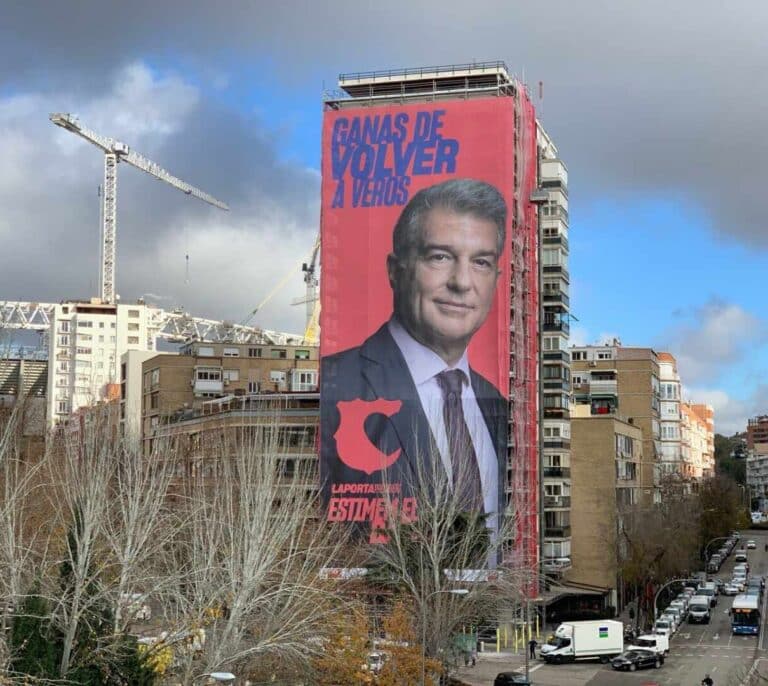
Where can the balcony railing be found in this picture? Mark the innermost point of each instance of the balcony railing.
(557, 326)
(557, 531)
(556, 296)
(557, 501)
(564, 472)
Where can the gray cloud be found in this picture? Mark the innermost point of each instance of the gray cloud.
(639, 97)
(717, 336)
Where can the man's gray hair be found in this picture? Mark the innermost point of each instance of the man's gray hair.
(463, 196)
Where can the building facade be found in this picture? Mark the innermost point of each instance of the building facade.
(204, 372)
(87, 340)
(555, 360)
(607, 456)
(624, 382)
(698, 440)
(670, 417)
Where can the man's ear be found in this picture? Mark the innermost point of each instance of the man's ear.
(393, 269)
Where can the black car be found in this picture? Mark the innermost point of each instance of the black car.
(637, 659)
(511, 679)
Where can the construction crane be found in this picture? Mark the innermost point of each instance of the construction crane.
(312, 330)
(115, 152)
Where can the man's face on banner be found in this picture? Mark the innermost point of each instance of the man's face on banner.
(445, 287)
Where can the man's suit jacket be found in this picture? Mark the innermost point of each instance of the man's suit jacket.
(377, 370)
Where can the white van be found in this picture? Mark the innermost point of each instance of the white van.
(698, 610)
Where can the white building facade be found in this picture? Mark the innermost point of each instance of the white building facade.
(86, 343)
(670, 418)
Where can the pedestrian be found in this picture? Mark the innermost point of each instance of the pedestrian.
(532, 648)
(707, 681)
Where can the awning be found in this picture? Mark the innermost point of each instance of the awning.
(557, 592)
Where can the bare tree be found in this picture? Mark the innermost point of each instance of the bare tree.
(445, 561)
(250, 557)
(23, 539)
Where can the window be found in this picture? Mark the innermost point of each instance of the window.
(253, 386)
(84, 324)
(62, 406)
(231, 352)
(101, 325)
(254, 352)
(112, 325)
(277, 377)
(205, 351)
(155, 377)
(63, 340)
(278, 354)
(133, 314)
(64, 327)
(208, 374)
(301, 354)
(101, 339)
(132, 326)
(63, 366)
(112, 339)
(231, 375)
(133, 340)
(304, 380)
(605, 356)
(578, 380)
(577, 355)
(84, 351)
(154, 401)
(99, 365)
(84, 337)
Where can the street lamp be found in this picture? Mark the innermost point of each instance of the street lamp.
(453, 591)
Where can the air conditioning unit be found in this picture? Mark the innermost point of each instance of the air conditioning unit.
(592, 363)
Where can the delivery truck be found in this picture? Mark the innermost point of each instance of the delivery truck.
(600, 639)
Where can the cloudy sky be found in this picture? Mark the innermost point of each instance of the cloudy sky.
(658, 111)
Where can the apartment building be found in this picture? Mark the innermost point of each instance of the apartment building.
(87, 340)
(285, 422)
(607, 454)
(555, 360)
(623, 381)
(670, 417)
(757, 475)
(757, 431)
(204, 372)
(697, 440)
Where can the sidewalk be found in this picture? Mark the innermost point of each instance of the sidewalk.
(489, 665)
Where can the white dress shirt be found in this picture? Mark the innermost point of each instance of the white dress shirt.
(424, 365)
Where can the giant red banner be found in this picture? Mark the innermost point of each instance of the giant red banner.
(417, 209)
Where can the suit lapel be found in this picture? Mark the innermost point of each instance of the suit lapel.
(387, 375)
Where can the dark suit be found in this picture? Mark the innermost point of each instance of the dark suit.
(375, 370)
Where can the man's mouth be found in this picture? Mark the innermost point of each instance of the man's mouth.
(453, 306)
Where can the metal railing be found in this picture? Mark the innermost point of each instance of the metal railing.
(422, 71)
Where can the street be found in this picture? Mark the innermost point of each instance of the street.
(695, 650)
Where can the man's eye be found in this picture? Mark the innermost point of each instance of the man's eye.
(438, 257)
(483, 263)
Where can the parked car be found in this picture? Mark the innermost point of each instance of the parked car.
(511, 679)
(751, 545)
(637, 659)
(740, 582)
(682, 606)
(673, 620)
(663, 626)
(731, 588)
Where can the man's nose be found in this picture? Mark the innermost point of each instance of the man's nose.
(461, 276)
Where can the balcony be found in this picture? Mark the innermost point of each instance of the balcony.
(556, 413)
(558, 355)
(201, 386)
(555, 565)
(562, 472)
(558, 444)
(561, 325)
(556, 385)
(555, 296)
(607, 387)
(552, 501)
(557, 531)
(556, 269)
(559, 239)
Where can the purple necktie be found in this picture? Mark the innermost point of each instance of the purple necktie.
(466, 473)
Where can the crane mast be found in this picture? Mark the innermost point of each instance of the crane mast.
(115, 152)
